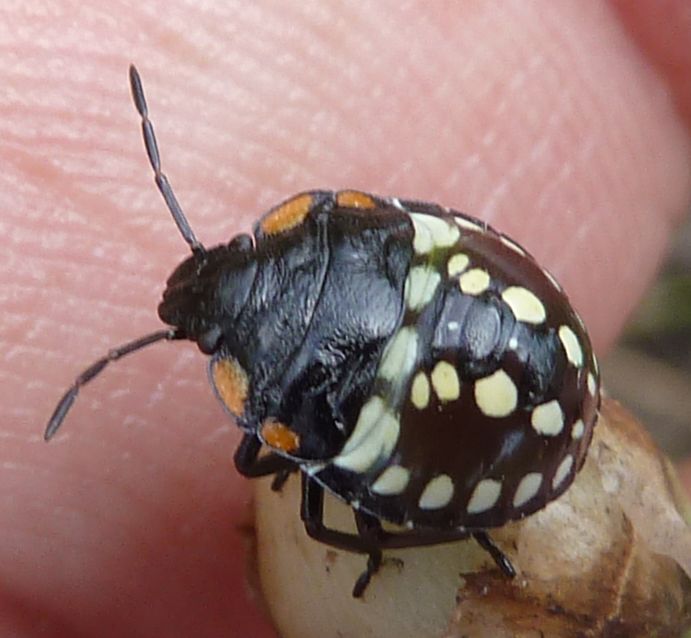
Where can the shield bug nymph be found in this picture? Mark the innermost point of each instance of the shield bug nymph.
(405, 357)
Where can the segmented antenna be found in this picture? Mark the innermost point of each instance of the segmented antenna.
(96, 368)
(164, 187)
(155, 161)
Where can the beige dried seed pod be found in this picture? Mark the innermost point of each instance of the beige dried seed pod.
(611, 557)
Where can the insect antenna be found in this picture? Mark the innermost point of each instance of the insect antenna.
(155, 160)
(97, 367)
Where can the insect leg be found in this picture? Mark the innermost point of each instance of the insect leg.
(368, 527)
(362, 543)
(400, 540)
(249, 464)
(281, 477)
(501, 559)
(312, 513)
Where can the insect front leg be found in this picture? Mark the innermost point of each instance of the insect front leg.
(250, 464)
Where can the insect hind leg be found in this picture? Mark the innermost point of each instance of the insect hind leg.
(499, 557)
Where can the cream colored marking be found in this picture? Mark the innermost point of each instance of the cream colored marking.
(510, 243)
(467, 224)
(399, 355)
(524, 304)
(374, 438)
(437, 493)
(513, 343)
(397, 204)
(370, 415)
(496, 395)
(548, 418)
(527, 489)
(573, 350)
(441, 233)
(578, 429)
(457, 264)
(392, 481)
(420, 286)
(474, 281)
(484, 496)
(592, 384)
(445, 382)
(562, 471)
(422, 242)
(444, 232)
(419, 391)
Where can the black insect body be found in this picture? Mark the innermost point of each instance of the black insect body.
(407, 358)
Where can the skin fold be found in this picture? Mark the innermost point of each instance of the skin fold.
(565, 125)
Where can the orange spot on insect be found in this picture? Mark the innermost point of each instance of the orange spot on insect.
(279, 436)
(355, 199)
(288, 215)
(231, 384)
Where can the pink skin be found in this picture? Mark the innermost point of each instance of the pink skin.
(564, 124)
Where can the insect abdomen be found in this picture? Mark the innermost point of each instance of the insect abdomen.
(486, 395)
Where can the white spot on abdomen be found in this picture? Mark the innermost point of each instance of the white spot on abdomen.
(400, 355)
(578, 429)
(527, 488)
(432, 232)
(419, 391)
(420, 286)
(437, 493)
(374, 437)
(572, 347)
(484, 496)
(445, 381)
(457, 264)
(562, 471)
(496, 395)
(524, 304)
(548, 418)
(392, 481)
(474, 282)
(422, 241)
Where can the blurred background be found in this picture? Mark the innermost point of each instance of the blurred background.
(650, 370)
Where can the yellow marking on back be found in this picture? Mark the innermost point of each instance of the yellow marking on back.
(279, 436)
(231, 384)
(287, 215)
(354, 199)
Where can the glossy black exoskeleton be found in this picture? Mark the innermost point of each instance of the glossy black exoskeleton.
(407, 358)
